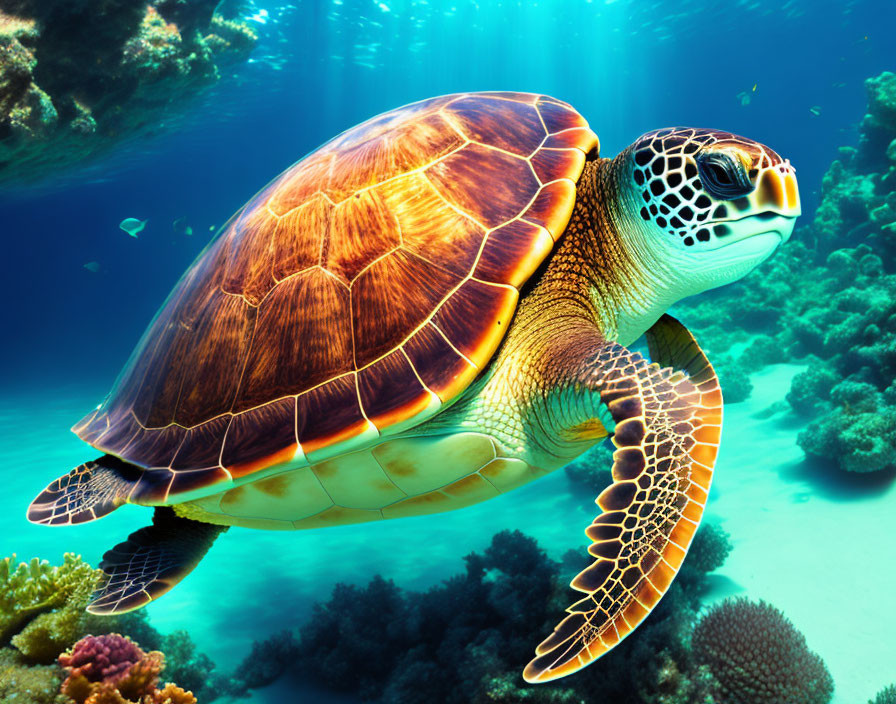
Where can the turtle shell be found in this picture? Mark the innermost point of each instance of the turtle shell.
(357, 294)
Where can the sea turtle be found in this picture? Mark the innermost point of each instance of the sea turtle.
(430, 310)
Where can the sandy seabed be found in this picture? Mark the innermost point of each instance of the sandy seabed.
(816, 544)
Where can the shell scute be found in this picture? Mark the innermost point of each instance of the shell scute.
(441, 367)
(303, 338)
(391, 391)
(251, 277)
(408, 146)
(202, 445)
(220, 343)
(294, 188)
(367, 230)
(559, 116)
(511, 183)
(299, 234)
(485, 121)
(552, 164)
(428, 228)
(513, 252)
(494, 304)
(378, 275)
(544, 210)
(259, 433)
(329, 414)
(391, 298)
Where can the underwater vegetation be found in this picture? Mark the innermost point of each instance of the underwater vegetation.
(885, 696)
(78, 78)
(44, 624)
(827, 299)
(468, 637)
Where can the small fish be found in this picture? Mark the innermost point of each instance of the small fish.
(743, 98)
(92, 266)
(132, 225)
(815, 110)
(755, 86)
(211, 228)
(180, 227)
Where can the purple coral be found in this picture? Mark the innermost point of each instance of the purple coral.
(106, 658)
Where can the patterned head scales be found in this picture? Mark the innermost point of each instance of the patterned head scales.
(696, 184)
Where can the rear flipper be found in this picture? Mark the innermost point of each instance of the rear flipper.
(88, 492)
(151, 561)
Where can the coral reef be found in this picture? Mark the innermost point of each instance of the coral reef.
(757, 656)
(112, 669)
(42, 614)
(829, 299)
(469, 637)
(885, 696)
(78, 78)
(42, 606)
(31, 684)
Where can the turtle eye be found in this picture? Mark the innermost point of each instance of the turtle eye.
(725, 178)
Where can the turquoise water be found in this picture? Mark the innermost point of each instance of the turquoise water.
(797, 544)
(812, 539)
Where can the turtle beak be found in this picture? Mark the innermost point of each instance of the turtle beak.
(777, 192)
(771, 208)
(776, 199)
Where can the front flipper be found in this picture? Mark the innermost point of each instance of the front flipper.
(88, 492)
(151, 561)
(668, 425)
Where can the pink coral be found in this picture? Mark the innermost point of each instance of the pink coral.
(112, 669)
(102, 658)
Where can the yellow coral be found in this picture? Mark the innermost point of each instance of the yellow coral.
(105, 694)
(20, 682)
(31, 589)
(143, 676)
(171, 694)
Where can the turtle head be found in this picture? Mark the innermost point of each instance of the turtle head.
(711, 204)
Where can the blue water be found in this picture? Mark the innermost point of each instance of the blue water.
(321, 67)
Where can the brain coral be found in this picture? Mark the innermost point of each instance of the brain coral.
(758, 657)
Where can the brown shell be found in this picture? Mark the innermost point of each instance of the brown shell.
(360, 290)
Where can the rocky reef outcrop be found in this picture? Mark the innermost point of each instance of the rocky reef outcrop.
(78, 78)
(828, 299)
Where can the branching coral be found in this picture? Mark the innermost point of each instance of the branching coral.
(758, 657)
(37, 603)
(112, 669)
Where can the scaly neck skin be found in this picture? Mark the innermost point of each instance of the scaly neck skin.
(602, 273)
(602, 282)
